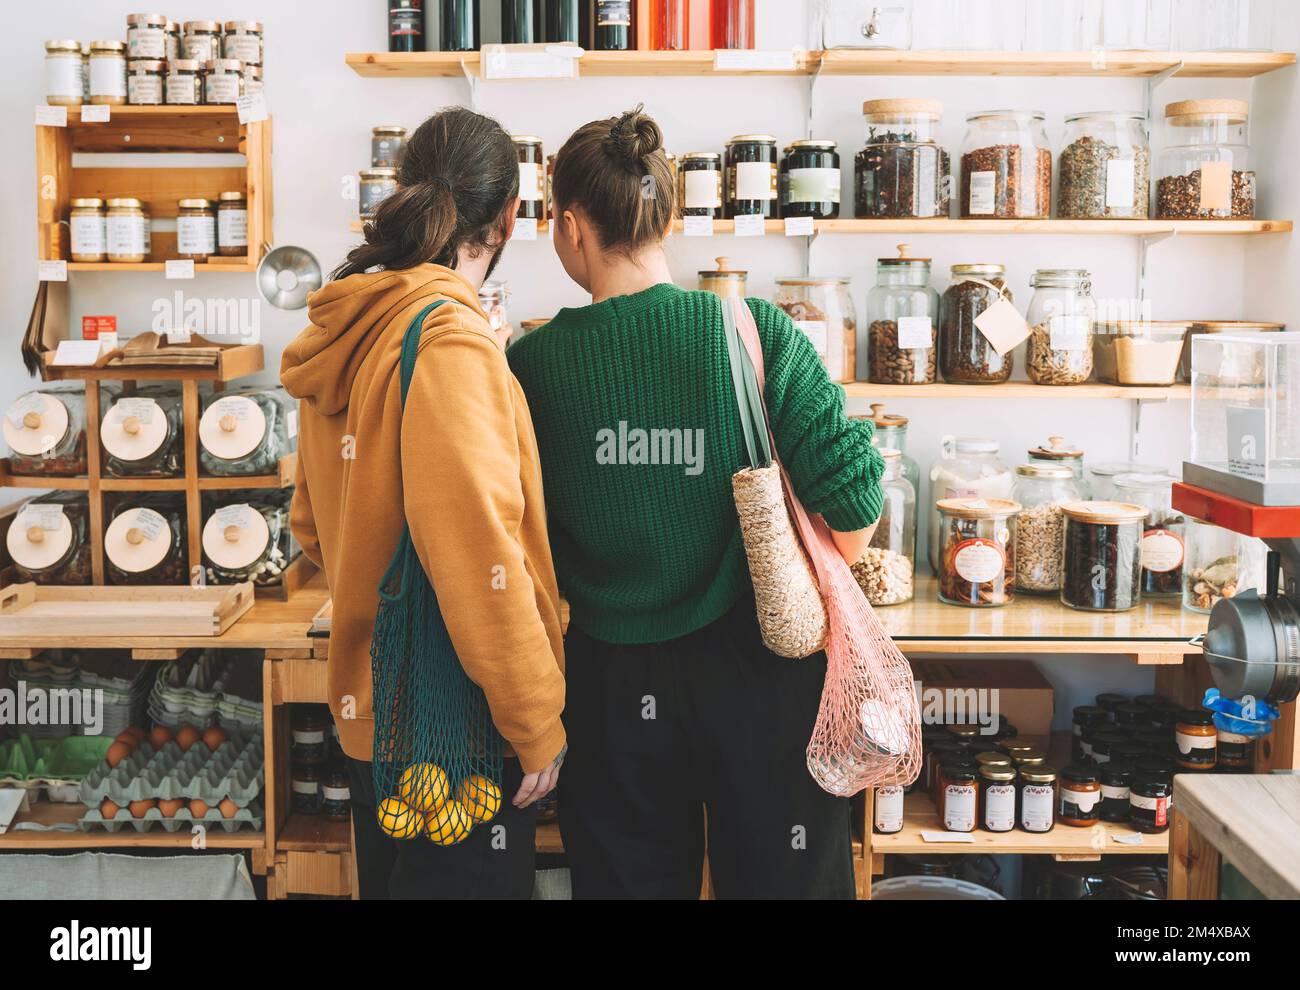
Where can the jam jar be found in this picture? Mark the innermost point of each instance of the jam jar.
(232, 224)
(1115, 779)
(246, 432)
(809, 180)
(145, 540)
(65, 73)
(532, 176)
(888, 809)
(965, 354)
(1197, 740)
(1085, 717)
(1037, 798)
(196, 229)
(387, 144)
(1079, 800)
(336, 794)
(1236, 753)
(49, 539)
(699, 185)
(126, 231)
(751, 177)
(959, 788)
(246, 536)
(997, 798)
(308, 734)
(108, 72)
(46, 432)
(1151, 795)
(143, 435)
(377, 184)
(977, 551)
(306, 789)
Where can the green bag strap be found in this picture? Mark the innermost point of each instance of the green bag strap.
(411, 346)
(749, 397)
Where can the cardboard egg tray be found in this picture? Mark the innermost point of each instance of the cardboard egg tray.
(234, 771)
(203, 691)
(252, 815)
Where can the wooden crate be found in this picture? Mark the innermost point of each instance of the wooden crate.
(144, 610)
(153, 130)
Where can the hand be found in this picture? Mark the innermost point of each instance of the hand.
(503, 335)
(536, 786)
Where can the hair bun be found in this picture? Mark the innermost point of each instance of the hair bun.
(634, 136)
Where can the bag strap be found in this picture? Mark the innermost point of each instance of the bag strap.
(749, 393)
(411, 346)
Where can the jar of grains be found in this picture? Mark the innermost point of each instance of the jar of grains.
(967, 467)
(965, 354)
(145, 540)
(699, 185)
(184, 82)
(201, 41)
(232, 224)
(224, 81)
(821, 307)
(751, 177)
(977, 553)
(724, 280)
(144, 82)
(809, 180)
(1220, 564)
(885, 570)
(902, 316)
(902, 171)
(1205, 172)
(1042, 490)
(1057, 451)
(87, 229)
(1105, 169)
(243, 41)
(1163, 546)
(387, 142)
(65, 72)
(146, 36)
(1061, 315)
(108, 72)
(1103, 556)
(1006, 165)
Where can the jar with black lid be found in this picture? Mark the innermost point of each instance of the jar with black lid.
(699, 185)
(1006, 730)
(1127, 751)
(1164, 718)
(1197, 740)
(1152, 763)
(1097, 744)
(1129, 714)
(1037, 798)
(1236, 753)
(997, 798)
(307, 739)
(1115, 779)
(306, 789)
(336, 794)
(1111, 701)
(1151, 794)
(1080, 796)
(532, 176)
(959, 787)
(1153, 738)
(1084, 716)
(810, 180)
(751, 177)
(1152, 701)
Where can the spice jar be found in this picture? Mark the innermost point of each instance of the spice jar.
(246, 537)
(144, 82)
(307, 734)
(1220, 564)
(196, 230)
(1057, 451)
(232, 224)
(1061, 315)
(977, 561)
(88, 232)
(145, 540)
(108, 72)
(888, 810)
(699, 185)
(902, 171)
(223, 81)
(252, 79)
(65, 74)
(751, 176)
(1079, 800)
(822, 308)
(890, 431)
(1205, 172)
(809, 180)
(1105, 169)
(46, 432)
(965, 354)
(146, 36)
(958, 797)
(377, 184)
(997, 798)
(1138, 352)
(885, 570)
(49, 540)
(246, 432)
(1102, 476)
(1037, 798)
(1115, 778)
(1235, 753)
(172, 41)
(1197, 740)
(1041, 490)
(902, 316)
(1085, 718)
(1103, 556)
(143, 435)
(725, 281)
(1162, 539)
(201, 41)
(336, 794)
(1151, 794)
(1006, 165)
(387, 145)
(243, 41)
(305, 785)
(126, 231)
(185, 82)
(967, 467)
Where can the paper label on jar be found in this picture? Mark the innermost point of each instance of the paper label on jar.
(232, 228)
(1002, 326)
(196, 235)
(703, 189)
(1080, 801)
(239, 516)
(614, 13)
(1159, 805)
(1000, 807)
(1120, 183)
(337, 793)
(88, 235)
(41, 515)
(200, 47)
(64, 76)
(150, 523)
(1162, 551)
(1109, 793)
(245, 47)
(146, 42)
(979, 561)
(815, 331)
(182, 90)
(125, 235)
(915, 332)
(1037, 807)
(983, 193)
(137, 407)
(142, 90)
(530, 182)
(959, 807)
(108, 77)
(1216, 186)
(221, 87)
(303, 738)
(889, 808)
(306, 787)
(1069, 333)
(814, 185)
(755, 180)
(1187, 743)
(697, 226)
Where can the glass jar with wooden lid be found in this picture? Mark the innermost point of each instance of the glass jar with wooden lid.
(1058, 451)
(201, 41)
(196, 230)
(223, 82)
(1041, 490)
(126, 231)
(232, 224)
(144, 542)
(900, 345)
(184, 84)
(977, 551)
(902, 171)
(724, 280)
(885, 572)
(243, 40)
(108, 72)
(144, 82)
(146, 36)
(65, 73)
(820, 306)
(1103, 556)
(1205, 169)
(87, 227)
(46, 432)
(252, 79)
(142, 434)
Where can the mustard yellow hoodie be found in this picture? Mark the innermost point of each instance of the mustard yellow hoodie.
(461, 464)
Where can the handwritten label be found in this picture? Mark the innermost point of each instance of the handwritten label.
(149, 523)
(525, 229)
(746, 60)
(1002, 326)
(799, 227)
(751, 225)
(697, 226)
(179, 268)
(239, 516)
(530, 62)
(52, 271)
(51, 116)
(251, 107)
(915, 332)
(42, 515)
(95, 113)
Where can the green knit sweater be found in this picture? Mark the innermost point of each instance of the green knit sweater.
(639, 435)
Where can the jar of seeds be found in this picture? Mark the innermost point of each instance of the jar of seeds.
(1061, 315)
(965, 354)
(885, 571)
(1006, 165)
(902, 316)
(1105, 169)
(1041, 490)
(1205, 172)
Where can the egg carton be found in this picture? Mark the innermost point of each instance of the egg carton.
(228, 713)
(201, 690)
(235, 770)
(252, 816)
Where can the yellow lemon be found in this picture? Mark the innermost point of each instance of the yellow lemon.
(480, 797)
(399, 819)
(449, 824)
(424, 787)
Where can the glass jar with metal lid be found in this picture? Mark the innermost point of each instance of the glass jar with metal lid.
(377, 184)
(108, 72)
(1028, 757)
(146, 36)
(699, 185)
(1205, 171)
(87, 226)
(891, 431)
(144, 82)
(232, 224)
(885, 570)
(126, 231)
(1103, 556)
(143, 434)
(902, 171)
(1164, 536)
(243, 40)
(967, 467)
(1105, 168)
(820, 306)
(184, 84)
(1061, 315)
(532, 177)
(1197, 740)
(196, 229)
(993, 758)
(977, 551)
(810, 180)
(900, 343)
(46, 432)
(997, 799)
(959, 787)
(1041, 490)
(49, 540)
(223, 81)
(65, 73)
(1037, 798)
(965, 354)
(724, 280)
(387, 144)
(172, 41)
(144, 542)
(1057, 451)
(1006, 165)
(201, 41)
(751, 177)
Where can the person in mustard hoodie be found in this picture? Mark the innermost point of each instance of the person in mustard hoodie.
(459, 466)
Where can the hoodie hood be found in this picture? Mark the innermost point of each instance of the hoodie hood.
(349, 317)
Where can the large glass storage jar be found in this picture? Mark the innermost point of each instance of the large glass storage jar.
(1223, 25)
(965, 354)
(49, 539)
(1163, 539)
(902, 170)
(1206, 171)
(247, 432)
(900, 345)
(891, 432)
(699, 185)
(1105, 167)
(1061, 315)
(46, 432)
(1058, 451)
(1042, 490)
(809, 180)
(886, 570)
(859, 24)
(1006, 165)
(145, 540)
(967, 468)
(1138, 352)
(724, 280)
(731, 23)
(751, 176)
(821, 307)
(1136, 25)
(246, 536)
(1220, 564)
(977, 551)
(1103, 556)
(1101, 477)
(1217, 326)
(143, 434)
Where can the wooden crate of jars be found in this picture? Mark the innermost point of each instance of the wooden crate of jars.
(152, 192)
(155, 480)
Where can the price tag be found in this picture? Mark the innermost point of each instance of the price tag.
(150, 523)
(179, 267)
(51, 116)
(76, 353)
(1127, 838)
(1248, 442)
(95, 113)
(530, 61)
(235, 406)
(799, 227)
(42, 515)
(746, 60)
(1216, 185)
(52, 271)
(751, 225)
(914, 332)
(233, 515)
(947, 837)
(133, 405)
(252, 107)
(525, 229)
(697, 226)
(1002, 326)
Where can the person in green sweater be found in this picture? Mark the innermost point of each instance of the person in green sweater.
(676, 710)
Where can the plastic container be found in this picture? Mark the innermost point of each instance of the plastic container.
(968, 467)
(143, 434)
(965, 354)
(46, 432)
(977, 552)
(900, 345)
(246, 537)
(1042, 490)
(246, 432)
(1104, 170)
(822, 308)
(1206, 171)
(886, 571)
(902, 171)
(1220, 564)
(1163, 538)
(1138, 352)
(49, 540)
(1006, 165)
(1216, 326)
(1103, 556)
(144, 542)
(891, 431)
(1061, 316)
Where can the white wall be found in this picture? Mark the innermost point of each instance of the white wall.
(323, 113)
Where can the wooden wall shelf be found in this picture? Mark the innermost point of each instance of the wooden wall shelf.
(1016, 390)
(235, 362)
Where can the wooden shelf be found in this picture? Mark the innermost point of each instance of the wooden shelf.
(232, 267)
(130, 112)
(49, 813)
(232, 363)
(846, 62)
(314, 833)
(548, 839)
(1016, 390)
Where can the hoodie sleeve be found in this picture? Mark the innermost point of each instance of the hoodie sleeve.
(464, 503)
(302, 520)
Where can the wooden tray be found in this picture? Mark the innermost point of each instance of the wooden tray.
(146, 610)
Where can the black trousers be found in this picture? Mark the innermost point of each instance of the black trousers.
(492, 864)
(660, 733)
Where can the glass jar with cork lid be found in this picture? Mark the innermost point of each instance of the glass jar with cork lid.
(1205, 171)
(891, 431)
(49, 540)
(977, 551)
(821, 307)
(902, 171)
(724, 280)
(223, 82)
(184, 83)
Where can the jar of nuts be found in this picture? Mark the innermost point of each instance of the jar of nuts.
(886, 569)
(1061, 315)
(965, 354)
(977, 556)
(1220, 564)
(1041, 490)
(900, 345)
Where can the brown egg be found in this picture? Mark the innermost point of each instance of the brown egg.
(199, 809)
(108, 809)
(228, 808)
(170, 807)
(128, 738)
(214, 737)
(139, 808)
(118, 752)
(136, 733)
(160, 736)
(186, 737)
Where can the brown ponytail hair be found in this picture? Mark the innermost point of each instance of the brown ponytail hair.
(458, 174)
(615, 171)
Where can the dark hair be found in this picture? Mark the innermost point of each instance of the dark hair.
(616, 172)
(458, 173)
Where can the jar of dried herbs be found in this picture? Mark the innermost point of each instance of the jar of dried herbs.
(902, 171)
(977, 556)
(965, 354)
(1205, 172)
(1105, 168)
(1006, 165)
(1103, 556)
(1061, 315)
(902, 323)
(1163, 539)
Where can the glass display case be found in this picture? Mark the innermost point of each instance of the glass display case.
(246, 536)
(246, 432)
(49, 539)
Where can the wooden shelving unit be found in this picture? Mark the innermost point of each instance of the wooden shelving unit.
(1016, 390)
(57, 817)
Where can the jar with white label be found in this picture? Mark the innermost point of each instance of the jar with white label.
(142, 435)
(243, 41)
(246, 537)
(246, 432)
(1036, 801)
(108, 72)
(822, 308)
(699, 185)
(1061, 316)
(196, 230)
(751, 177)
(223, 82)
(201, 41)
(1006, 166)
(899, 345)
(252, 79)
(185, 83)
(46, 432)
(146, 36)
(1205, 171)
(1164, 535)
(888, 804)
(145, 540)
(967, 467)
(172, 41)
(1079, 796)
(88, 230)
(977, 551)
(65, 73)
(1105, 168)
(997, 798)
(232, 224)
(376, 185)
(126, 231)
(387, 143)
(144, 82)
(958, 806)
(809, 180)
(532, 176)
(49, 540)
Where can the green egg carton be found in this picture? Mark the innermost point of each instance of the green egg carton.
(235, 770)
(40, 761)
(252, 816)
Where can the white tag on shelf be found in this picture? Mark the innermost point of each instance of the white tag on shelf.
(525, 229)
(697, 226)
(52, 271)
(914, 332)
(1002, 326)
(179, 267)
(51, 116)
(947, 837)
(529, 62)
(43, 515)
(751, 225)
(799, 227)
(252, 107)
(76, 353)
(95, 113)
(747, 60)
(1128, 838)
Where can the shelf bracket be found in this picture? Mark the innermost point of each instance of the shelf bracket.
(812, 93)
(1135, 444)
(1145, 243)
(1154, 83)
(807, 251)
(473, 80)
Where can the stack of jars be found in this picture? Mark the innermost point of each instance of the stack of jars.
(318, 774)
(119, 230)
